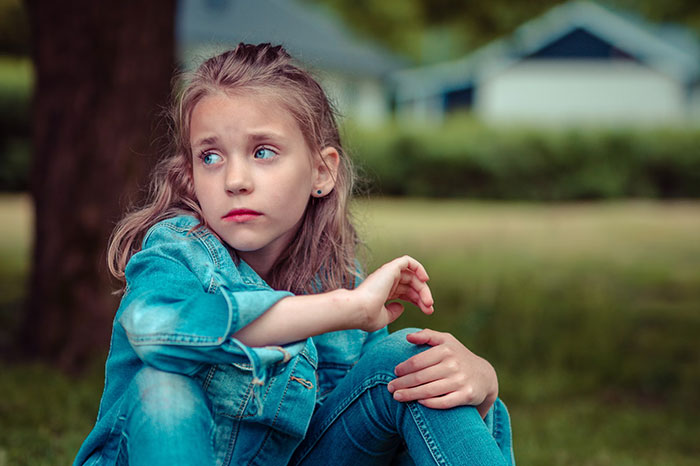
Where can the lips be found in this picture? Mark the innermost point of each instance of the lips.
(241, 215)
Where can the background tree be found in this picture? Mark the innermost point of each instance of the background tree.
(103, 71)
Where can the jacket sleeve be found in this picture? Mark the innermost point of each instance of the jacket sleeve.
(178, 321)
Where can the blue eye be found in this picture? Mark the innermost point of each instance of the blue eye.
(264, 153)
(210, 158)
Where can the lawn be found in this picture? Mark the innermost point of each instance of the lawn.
(589, 312)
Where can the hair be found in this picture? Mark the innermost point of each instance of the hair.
(321, 256)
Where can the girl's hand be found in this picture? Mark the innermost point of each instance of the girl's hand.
(403, 278)
(445, 376)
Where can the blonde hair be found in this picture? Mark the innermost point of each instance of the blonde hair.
(321, 256)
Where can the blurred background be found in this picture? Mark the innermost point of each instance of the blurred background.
(541, 158)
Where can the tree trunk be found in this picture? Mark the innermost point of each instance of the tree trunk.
(103, 71)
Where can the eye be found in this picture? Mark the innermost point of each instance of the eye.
(210, 158)
(264, 153)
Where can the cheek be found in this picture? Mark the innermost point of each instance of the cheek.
(297, 188)
(202, 189)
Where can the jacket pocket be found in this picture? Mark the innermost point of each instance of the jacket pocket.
(284, 401)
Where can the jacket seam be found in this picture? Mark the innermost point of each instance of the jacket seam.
(179, 339)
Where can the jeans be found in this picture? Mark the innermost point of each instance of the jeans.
(167, 419)
(361, 423)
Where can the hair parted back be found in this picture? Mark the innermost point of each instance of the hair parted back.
(321, 256)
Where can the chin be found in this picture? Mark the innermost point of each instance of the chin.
(244, 246)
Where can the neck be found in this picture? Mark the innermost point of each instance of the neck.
(261, 263)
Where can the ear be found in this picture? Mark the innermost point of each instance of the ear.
(325, 171)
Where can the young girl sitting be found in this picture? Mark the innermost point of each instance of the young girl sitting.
(245, 335)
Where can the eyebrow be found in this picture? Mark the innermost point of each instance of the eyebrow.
(266, 136)
(206, 141)
(255, 137)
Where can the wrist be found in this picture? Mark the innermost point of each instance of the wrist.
(345, 306)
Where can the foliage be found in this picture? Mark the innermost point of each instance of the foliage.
(434, 30)
(14, 28)
(467, 159)
(15, 88)
(587, 311)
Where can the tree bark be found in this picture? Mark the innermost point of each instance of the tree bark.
(103, 71)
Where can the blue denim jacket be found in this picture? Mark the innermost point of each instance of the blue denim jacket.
(184, 300)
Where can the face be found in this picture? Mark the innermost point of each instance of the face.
(253, 173)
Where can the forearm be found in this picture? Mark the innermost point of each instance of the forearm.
(298, 317)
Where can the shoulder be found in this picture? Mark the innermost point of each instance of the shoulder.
(185, 234)
(171, 229)
(181, 240)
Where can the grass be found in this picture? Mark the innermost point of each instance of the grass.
(589, 312)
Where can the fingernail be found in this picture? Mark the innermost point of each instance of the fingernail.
(390, 388)
(398, 396)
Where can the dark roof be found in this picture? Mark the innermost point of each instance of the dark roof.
(312, 35)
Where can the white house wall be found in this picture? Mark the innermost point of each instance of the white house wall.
(424, 110)
(361, 99)
(580, 91)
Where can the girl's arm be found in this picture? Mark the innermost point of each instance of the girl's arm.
(444, 376)
(299, 317)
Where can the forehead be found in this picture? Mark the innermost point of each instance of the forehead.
(239, 109)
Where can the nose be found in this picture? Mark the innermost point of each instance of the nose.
(238, 179)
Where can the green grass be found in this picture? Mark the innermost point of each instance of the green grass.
(589, 312)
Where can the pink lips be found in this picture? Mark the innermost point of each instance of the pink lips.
(241, 215)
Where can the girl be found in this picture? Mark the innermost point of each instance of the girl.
(244, 335)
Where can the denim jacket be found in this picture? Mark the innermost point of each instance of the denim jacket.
(185, 298)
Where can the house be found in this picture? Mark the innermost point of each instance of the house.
(580, 62)
(351, 70)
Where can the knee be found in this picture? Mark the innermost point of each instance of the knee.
(394, 349)
(166, 398)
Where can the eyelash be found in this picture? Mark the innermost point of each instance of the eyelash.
(259, 148)
(205, 153)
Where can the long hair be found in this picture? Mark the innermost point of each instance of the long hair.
(321, 256)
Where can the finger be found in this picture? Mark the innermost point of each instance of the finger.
(427, 358)
(423, 376)
(395, 310)
(409, 294)
(428, 390)
(427, 337)
(408, 262)
(407, 278)
(449, 400)
(420, 286)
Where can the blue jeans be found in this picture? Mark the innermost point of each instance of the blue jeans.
(361, 423)
(167, 419)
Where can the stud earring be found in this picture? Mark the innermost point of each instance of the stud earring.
(318, 192)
